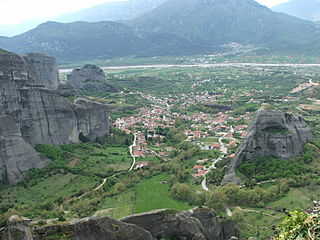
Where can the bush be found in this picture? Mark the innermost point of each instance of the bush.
(299, 225)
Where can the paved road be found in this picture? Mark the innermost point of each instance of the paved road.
(224, 151)
(131, 152)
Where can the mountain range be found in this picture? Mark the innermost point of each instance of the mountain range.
(304, 9)
(111, 11)
(176, 27)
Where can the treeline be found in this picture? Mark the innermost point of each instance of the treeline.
(262, 169)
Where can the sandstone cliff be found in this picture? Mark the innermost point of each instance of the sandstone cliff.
(194, 224)
(41, 116)
(274, 134)
(91, 77)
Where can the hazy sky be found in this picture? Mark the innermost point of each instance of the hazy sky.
(17, 11)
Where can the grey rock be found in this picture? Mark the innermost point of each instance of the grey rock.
(91, 77)
(193, 224)
(42, 116)
(66, 89)
(16, 156)
(78, 77)
(17, 229)
(101, 228)
(273, 134)
(92, 120)
(46, 66)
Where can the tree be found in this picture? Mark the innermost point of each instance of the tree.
(181, 191)
(217, 200)
(119, 187)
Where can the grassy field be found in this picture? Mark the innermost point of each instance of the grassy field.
(44, 193)
(151, 194)
(294, 200)
(117, 207)
(259, 221)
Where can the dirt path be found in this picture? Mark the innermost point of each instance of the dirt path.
(254, 211)
(105, 179)
(85, 194)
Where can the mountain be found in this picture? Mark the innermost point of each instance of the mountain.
(15, 29)
(78, 41)
(305, 9)
(112, 11)
(70, 41)
(177, 27)
(109, 11)
(3, 39)
(222, 21)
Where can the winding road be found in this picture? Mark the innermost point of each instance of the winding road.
(131, 153)
(224, 151)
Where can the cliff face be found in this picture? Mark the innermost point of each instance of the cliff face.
(194, 224)
(16, 155)
(47, 68)
(41, 115)
(66, 89)
(197, 224)
(273, 134)
(91, 77)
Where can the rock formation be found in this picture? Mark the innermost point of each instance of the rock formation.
(194, 224)
(47, 68)
(66, 89)
(16, 155)
(273, 134)
(41, 117)
(91, 77)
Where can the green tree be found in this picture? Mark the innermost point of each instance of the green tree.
(181, 191)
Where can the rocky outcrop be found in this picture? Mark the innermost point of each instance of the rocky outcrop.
(66, 89)
(101, 228)
(194, 224)
(16, 155)
(91, 77)
(46, 66)
(41, 117)
(273, 134)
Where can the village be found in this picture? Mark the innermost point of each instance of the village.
(211, 132)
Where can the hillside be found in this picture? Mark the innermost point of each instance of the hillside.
(305, 9)
(109, 11)
(177, 27)
(221, 21)
(74, 40)
(112, 11)
(84, 41)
